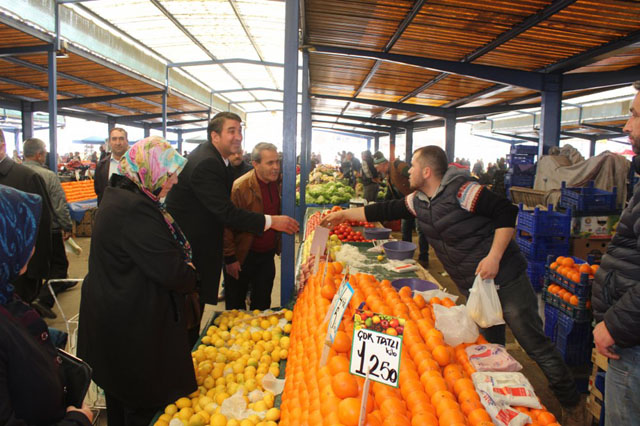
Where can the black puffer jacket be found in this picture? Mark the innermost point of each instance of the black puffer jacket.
(616, 291)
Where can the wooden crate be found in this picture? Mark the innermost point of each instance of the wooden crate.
(599, 360)
(527, 196)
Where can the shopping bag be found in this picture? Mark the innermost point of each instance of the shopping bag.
(483, 303)
(455, 324)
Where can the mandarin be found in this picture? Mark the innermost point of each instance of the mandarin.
(477, 416)
(424, 419)
(338, 363)
(341, 343)
(349, 411)
(344, 385)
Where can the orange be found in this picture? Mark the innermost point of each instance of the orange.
(446, 405)
(341, 343)
(338, 363)
(470, 405)
(448, 302)
(463, 384)
(434, 341)
(574, 300)
(545, 418)
(349, 411)
(585, 269)
(417, 402)
(435, 301)
(442, 355)
(372, 421)
(419, 300)
(477, 416)
(391, 407)
(567, 297)
(328, 291)
(344, 385)
(424, 419)
(440, 395)
(468, 395)
(435, 384)
(568, 261)
(553, 265)
(594, 268)
(451, 417)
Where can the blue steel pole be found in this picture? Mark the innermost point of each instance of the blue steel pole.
(27, 120)
(164, 114)
(376, 143)
(550, 113)
(180, 142)
(305, 147)
(450, 136)
(368, 144)
(53, 110)
(408, 140)
(289, 133)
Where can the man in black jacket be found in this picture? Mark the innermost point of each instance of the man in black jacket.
(200, 202)
(119, 144)
(23, 178)
(471, 231)
(616, 301)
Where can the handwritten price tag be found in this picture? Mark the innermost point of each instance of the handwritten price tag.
(342, 298)
(376, 347)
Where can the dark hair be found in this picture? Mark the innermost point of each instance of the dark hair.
(217, 122)
(120, 129)
(434, 157)
(636, 85)
(32, 147)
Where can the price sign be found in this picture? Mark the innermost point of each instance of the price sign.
(341, 301)
(376, 346)
(318, 244)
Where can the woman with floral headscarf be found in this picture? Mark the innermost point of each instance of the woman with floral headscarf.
(132, 328)
(31, 382)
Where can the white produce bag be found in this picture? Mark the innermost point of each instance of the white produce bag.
(483, 303)
(455, 324)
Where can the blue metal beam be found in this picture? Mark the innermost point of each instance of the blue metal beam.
(376, 143)
(493, 138)
(613, 129)
(380, 121)
(225, 61)
(27, 120)
(21, 50)
(147, 130)
(306, 133)
(550, 115)
(164, 113)
(176, 123)
(527, 79)
(589, 80)
(289, 134)
(392, 145)
(53, 110)
(41, 105)
(346, 132)
(360, 126)
(179, 141)
(408, 140)
(142, 117)
(248, 89)
(450, 136)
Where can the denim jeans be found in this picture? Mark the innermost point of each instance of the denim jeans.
(520, 312)
(622, 388)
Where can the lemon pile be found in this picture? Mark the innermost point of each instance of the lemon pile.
(238, 351)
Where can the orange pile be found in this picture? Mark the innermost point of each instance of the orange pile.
(567, 267)
(79, 190)
(435, 388)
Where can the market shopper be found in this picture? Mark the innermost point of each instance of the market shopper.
(370, 179)
(31, 385)
(471, 231)
(249, 258)
(238, 164)
(201, 203)
(35, 154)
(616, 301)
(398, 187)
(132, 328)
(119, 144)
(18, 176)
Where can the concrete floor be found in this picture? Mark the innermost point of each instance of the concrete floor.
(70, 302)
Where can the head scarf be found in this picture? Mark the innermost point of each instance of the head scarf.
(19, 218)
(148, 164)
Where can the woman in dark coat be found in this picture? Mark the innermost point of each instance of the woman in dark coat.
(132, 328)
(31, 381)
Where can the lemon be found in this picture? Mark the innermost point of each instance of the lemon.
(218, 420)
(250, 385)
(160, 423)
(275, 371)
(269, 399)
(266, 335)
(288, 315)
(273, 320)
(271, 423)
(247, 422)
(287, 328)
(221, 397)
(265, 324)
(284, 353)
(285, 342)
(171, 409)
(273, 414)
(210, 408)
(233, 422)
(165, 417)
(183, 402)
(206, 340)
(260, 406)
(254, 419)
(185, 413)
(197, 420)
(275, 355)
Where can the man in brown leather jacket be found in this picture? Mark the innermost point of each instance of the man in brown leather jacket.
(249, 258)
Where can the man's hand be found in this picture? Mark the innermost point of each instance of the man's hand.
(84, 410)
(488, 267)
(603, 340)
(66, 235)
(233, 269)
(335, 218)
(284, 224)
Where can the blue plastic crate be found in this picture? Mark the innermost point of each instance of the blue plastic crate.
(513, 159)
(538, 248)
(550, 321)
(544, 223)
(522, 170)
(519, 180)
(578, 313)
(588, 199)
(574, 340)
(524, 149)
(536, 272)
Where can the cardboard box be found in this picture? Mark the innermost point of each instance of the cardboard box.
(586, 226)
(583, 247)
(599, 360)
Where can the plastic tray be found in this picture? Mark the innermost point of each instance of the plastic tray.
(588, 199)
(579, 313)
(519, 180)
(574, 340)
(536, 272)
(538, 248)
(544, 223)
(550, 321)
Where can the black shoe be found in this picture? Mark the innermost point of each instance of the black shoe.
(43, 311)
(61, 286)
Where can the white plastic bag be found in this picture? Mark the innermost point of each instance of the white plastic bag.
(502, 414)
(491, 357)
(509, 388)
(455, 324)
(483, 303)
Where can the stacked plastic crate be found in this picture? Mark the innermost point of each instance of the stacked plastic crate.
(541, 233)
(522, 168)
(568, 313)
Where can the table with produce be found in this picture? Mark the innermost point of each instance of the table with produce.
(365, 344)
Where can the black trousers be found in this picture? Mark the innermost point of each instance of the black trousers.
(119, 414)
(57, 269)
(256, 276)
